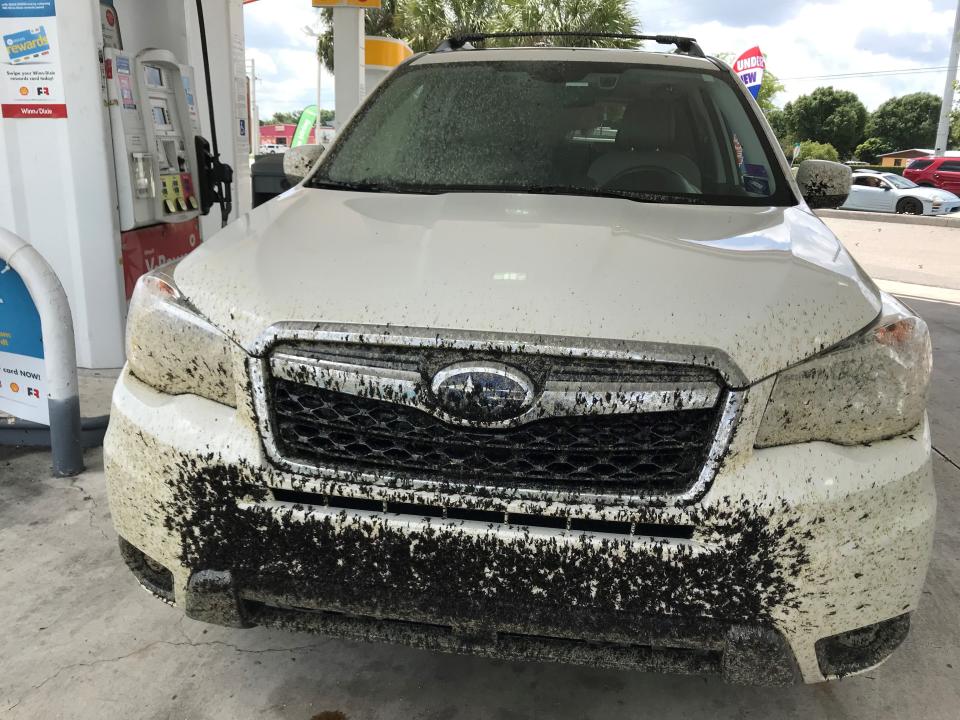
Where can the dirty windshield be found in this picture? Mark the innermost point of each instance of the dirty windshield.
(642, 132)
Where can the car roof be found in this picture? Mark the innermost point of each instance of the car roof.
(569, 54)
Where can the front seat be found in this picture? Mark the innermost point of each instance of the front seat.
(645, 138)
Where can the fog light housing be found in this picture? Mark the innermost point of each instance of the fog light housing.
(857, 650)
(152, 575)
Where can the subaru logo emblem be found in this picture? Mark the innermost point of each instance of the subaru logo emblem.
(480, 392)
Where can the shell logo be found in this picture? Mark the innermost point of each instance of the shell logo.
(24, 91)
(14, 387)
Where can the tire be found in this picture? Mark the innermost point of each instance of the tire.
(910, 206)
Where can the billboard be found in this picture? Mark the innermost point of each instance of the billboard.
(749, 68)
(31, 79)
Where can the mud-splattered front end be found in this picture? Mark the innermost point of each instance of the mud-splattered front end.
(748, 576)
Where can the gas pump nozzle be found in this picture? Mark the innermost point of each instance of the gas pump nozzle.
(216, 181)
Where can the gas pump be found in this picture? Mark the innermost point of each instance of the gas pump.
(154, 117)
(167, 176)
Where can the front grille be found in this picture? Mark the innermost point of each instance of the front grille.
(653, 453)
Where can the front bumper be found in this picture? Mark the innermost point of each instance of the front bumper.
(790, 545)
(947, 208)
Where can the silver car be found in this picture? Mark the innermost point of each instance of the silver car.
(888, 192)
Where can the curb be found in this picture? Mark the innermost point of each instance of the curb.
(21, 433)
(892, 218)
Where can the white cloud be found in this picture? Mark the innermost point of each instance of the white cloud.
(803, 39)
(285, 55)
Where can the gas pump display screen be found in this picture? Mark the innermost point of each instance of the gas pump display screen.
(161, 113)
(153, 76)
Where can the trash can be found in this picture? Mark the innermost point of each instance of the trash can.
(268, 178)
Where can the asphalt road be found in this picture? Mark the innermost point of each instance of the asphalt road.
(80, 639)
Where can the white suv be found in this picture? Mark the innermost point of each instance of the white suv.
(492, 380)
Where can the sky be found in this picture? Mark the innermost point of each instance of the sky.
(801, 39)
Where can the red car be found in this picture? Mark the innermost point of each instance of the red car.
(940, 172)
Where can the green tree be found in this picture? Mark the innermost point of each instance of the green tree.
(908, 121)
(426, 23)
(381, 22)
(284, 118)
(829, 116)
(779, 123)
(614, 16)
(813, 150)
(769, 88)
(871, 149)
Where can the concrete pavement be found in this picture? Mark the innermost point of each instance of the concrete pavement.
(80, 639)
(920, 254)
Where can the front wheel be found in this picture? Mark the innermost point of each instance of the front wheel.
(910, 206)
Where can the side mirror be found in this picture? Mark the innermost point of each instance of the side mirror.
(824, 184)
(298, 162)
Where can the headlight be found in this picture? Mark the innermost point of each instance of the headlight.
(870, 387)
(171, 347)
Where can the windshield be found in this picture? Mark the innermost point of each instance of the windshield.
(899, 182)
(647, 133)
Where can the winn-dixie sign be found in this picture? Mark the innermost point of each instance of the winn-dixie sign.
(749, 67)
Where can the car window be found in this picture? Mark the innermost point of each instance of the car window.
(867, 181)
(953, 166)
(921, 164)
(900, 182)
(652, 133)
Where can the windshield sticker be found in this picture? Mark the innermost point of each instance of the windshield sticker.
(756, 185)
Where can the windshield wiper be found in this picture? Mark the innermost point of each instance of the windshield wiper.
(637, 195)
(354, 186)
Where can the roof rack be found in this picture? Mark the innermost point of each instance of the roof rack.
(685, 45)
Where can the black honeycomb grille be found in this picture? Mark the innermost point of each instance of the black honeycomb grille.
(646, 453)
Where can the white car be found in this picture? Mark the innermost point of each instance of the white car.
(476, 385)
(889, 192)
(272, 149)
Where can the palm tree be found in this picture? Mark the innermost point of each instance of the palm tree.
(613, 16)
(426, 23)
(381, 22)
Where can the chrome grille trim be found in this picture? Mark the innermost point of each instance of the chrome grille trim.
(558, 398)
(700, 394)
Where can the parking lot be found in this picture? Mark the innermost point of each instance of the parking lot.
(82, 640)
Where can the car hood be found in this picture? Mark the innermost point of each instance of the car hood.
(929, 193)
(765, 286)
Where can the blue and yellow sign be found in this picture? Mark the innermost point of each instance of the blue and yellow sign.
(22, 386)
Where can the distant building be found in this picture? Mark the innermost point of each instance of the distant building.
(283, 134)
(900, 158)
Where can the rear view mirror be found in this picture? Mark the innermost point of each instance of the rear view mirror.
(298, 162)
(824, 184)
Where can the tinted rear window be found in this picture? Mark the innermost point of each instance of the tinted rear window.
(920, 164)
(953, 166)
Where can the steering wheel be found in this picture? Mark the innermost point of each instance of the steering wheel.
(649, 178)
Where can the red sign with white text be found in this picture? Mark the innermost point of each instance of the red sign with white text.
(32, 112)
(148, 248)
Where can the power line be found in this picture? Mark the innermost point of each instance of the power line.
(872, 73)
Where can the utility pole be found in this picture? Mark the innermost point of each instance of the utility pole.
(254, 109)
(943, 130)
